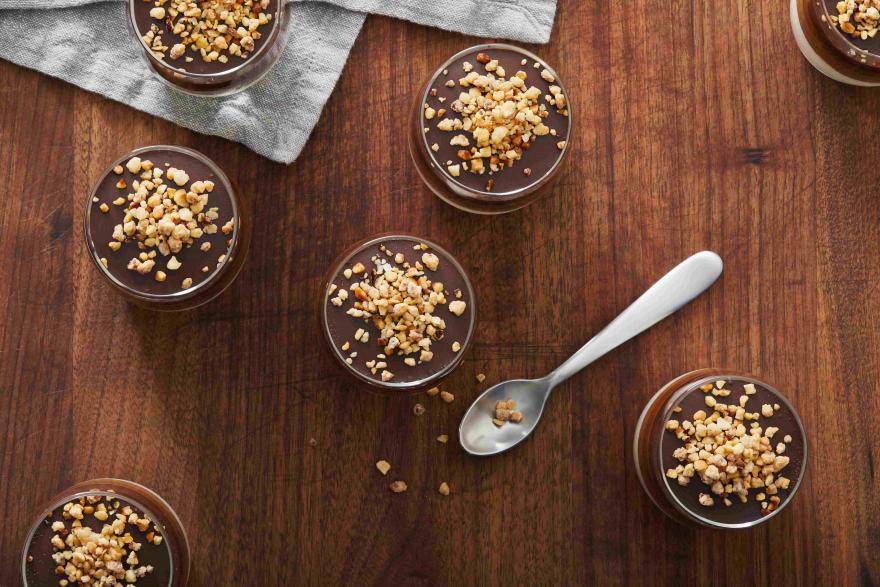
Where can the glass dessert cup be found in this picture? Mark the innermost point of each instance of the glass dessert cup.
(829, 50)
(143, 290)
(339, 328)
(170, 558)
(469, 191)
(653, 446)
(215, 79)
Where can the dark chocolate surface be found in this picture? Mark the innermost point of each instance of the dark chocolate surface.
(342, 326)
(540, 158)
(143, 21)
(40, 571)
(784, 419)
(193, 259)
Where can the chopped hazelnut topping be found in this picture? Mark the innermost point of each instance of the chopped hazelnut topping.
(159, 217)
(444, 488)
(214, 30)
(447, 397)
(400, 301)
(383, 466)
(505, 411)
(858, 18)
(398, 487)
(727, 455)
(499, 117)
(99, 557)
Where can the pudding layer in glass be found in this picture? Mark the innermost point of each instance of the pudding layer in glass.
(216, 48)
(490, 130)
(165, 227)
(717, 469)
(103, 529)
(398, 312)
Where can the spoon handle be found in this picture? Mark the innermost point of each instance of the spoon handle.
(685, 282)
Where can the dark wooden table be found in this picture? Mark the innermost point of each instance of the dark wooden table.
(700, 127)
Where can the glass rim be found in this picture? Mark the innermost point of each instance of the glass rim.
(220, 76)
(690, 386)
(405, 386)
(477, 194)
(183, 294)
(65, 497)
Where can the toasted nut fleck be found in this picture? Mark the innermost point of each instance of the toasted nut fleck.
(398, 487)
(383, 466)
(444, 489)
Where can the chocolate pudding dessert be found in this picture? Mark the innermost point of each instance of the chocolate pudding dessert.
(106, 532)
(720, 449)
(491, 129)
(165, 227)
(398, 312)
(840, 38)
(210, 47)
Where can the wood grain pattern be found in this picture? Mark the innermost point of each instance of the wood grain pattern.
(706, 130)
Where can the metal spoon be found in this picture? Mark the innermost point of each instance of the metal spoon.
(479, 435)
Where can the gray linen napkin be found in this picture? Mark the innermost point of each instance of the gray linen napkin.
(87, 43)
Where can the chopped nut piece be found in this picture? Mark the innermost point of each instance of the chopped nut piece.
(383, 466)
(418, 409)
(443, 438)
(398, 487)
(433, 391)
(134, 165)
(444, 489)
(432, 262)
(447, 397)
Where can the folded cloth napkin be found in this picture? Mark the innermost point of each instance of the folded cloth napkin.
(87, 43)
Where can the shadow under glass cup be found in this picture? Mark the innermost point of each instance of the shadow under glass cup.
(653, 448)
(509, 189)
(144, 290)
(211, 79)
(170, 558)
(339, 328)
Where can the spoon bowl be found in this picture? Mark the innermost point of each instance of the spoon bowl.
(480, 436)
